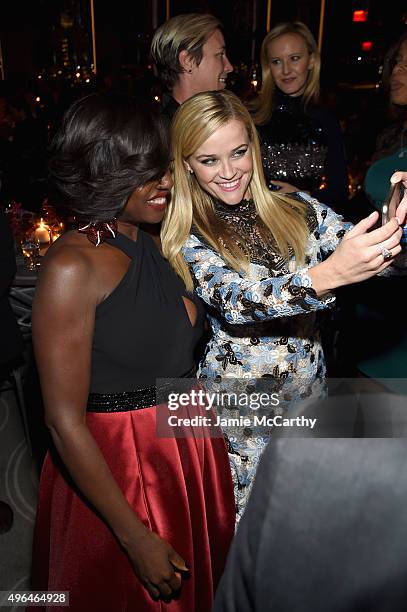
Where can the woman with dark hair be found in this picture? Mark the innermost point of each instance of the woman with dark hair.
(391, 147)
(302, 143)
(122, 513)
(383, 354)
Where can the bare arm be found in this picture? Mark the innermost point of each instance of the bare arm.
(63, 325)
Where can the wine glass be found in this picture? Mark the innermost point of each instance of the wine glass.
(31, 252)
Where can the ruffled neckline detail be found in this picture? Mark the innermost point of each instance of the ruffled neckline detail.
(243, 220)
(244, 206)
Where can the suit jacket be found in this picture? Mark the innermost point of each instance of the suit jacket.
(169, 106)
(11, 343)
(325, 530)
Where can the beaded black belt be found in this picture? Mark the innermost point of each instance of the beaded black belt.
(143, 397)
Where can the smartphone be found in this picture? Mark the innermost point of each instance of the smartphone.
(394, 197)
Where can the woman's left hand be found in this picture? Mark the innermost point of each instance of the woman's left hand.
(285, 187)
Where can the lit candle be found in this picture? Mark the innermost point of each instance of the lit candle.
(42, 233)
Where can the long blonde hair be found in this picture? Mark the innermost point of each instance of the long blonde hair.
(263, 106)
(282, 219)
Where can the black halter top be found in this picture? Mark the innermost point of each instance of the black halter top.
(142, 329)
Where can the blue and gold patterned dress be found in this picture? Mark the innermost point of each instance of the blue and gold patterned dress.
(265, 322)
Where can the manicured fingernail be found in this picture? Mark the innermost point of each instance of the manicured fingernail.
(372, 214)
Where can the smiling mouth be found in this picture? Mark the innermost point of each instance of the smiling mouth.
(159, 202)
(230, 185)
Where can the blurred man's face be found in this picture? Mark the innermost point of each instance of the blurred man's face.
(212, 72)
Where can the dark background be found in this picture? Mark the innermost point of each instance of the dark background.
(48, 62)
(32, 31)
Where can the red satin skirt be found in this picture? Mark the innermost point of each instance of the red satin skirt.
(180, 488)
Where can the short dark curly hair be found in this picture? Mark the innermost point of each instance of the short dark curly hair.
(108, 146)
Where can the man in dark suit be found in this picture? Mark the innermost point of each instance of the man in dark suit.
(11, 343)
(325, 530)
(189, 53)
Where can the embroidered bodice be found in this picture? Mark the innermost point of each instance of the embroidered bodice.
(243, 221)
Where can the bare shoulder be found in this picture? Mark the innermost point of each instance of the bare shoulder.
(73, 266)
(69, 260)
(69, 272)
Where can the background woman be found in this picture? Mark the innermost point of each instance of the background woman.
(117, 500)
(302, 142)
(382, 354)
(256, 258)
(391, 147)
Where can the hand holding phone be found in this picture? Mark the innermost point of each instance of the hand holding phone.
(390, 206)
(392, 201)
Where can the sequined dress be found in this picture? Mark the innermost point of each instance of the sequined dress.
(265, 322)
(304, 147)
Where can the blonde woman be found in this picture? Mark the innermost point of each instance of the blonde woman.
(302, 142)
(263, 263)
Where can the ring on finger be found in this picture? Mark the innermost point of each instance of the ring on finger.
(386, 253)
